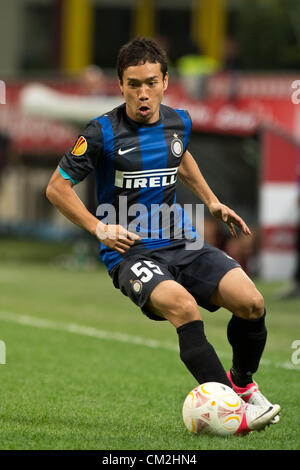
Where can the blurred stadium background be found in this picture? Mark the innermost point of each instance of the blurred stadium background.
(232, 65)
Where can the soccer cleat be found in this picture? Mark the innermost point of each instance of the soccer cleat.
(256, 418)
(251, 394)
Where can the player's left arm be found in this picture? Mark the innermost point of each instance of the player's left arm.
(191, 176)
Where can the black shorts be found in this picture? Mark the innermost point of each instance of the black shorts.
(199, 271)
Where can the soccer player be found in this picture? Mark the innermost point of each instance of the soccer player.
(137, 151)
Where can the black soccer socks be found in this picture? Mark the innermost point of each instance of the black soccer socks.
(248, 339)
(198, 354)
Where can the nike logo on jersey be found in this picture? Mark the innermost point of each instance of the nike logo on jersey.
(122, 152)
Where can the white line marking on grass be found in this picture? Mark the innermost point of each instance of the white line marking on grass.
(84, 330)
(113, 336)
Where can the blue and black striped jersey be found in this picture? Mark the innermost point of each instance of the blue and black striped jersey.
(135, 167)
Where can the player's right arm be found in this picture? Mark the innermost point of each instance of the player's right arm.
(61, 194)
(75, 165)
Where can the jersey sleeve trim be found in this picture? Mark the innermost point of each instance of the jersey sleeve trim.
(65, 175)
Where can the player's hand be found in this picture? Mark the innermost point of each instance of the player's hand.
(227, 215)
(116, 237)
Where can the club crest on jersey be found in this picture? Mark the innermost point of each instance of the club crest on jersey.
(137, 286)
(177, 146)
(80, 147)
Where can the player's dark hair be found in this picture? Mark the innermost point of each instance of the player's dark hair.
(139, 51)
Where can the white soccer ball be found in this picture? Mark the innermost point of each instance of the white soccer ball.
(213, 408)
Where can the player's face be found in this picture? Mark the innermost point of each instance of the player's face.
(143, 88)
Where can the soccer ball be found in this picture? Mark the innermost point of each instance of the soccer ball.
(213, 408)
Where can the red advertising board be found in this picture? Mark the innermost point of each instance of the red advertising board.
(256, 102)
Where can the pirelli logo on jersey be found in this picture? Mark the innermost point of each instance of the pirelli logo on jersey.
(146, 178)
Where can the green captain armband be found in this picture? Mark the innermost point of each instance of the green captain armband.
(66, 176)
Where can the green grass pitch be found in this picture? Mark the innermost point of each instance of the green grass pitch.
(86, 370)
